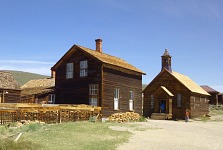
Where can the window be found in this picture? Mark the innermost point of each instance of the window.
(131, 100)
(179, 100)
(83, 68)
(116, 99)
(51, 99)
(93, 90)
(69, 70)
(93, 101)
(93, 94)
(152, 102)
(205, 100)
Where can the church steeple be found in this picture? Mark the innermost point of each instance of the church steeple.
(166, 61)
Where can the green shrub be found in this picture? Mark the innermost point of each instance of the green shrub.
(2, 129)
(92, 119)
(31, 127)
(142, 119)
(11, 145)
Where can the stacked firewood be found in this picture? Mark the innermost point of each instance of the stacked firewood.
(124, 117)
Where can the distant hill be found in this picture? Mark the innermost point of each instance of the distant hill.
(23, 77)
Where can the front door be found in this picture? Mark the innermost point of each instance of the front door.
(162, 106)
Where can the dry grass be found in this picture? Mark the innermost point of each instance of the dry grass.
(72, 135)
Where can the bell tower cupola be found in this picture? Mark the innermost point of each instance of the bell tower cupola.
(166, 61)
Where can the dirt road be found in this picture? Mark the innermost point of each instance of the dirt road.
(175, 135)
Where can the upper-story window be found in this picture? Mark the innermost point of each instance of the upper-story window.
(69, 71)
(83, 68)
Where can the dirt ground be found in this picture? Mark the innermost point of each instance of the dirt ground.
(174, 135)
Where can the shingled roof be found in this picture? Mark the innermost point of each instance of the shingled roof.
(39, 86)
(7, 81)
(190, 84)
(104, 58)
(39, 83)
(208, 89)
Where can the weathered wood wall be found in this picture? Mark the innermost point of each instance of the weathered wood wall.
(175, 87)
(13, 96)
(199, 105)
(126, 83)
(76, 90)
(213, 98)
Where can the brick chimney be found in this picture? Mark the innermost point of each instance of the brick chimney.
(98, 45)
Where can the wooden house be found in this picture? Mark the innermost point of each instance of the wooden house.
(9, 88)
(213, 99)
(171, 93)
(220, 99)
(38, 91)
(86, 76)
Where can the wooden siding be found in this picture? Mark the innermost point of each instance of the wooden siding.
(76, 90)
(126, 83)
(199, 106)
(220, 99)
(13, 96)
(175, 87)
(213, 98)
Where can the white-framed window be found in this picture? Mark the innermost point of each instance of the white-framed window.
(93, 94)
(152, 101)
(93, 89)
(131, 99)
(116, 98)
(93, 101)
(84, 68)
(51, 99)
(179, 100)
(69, 70)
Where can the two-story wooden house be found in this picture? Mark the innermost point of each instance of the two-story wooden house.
(172, 93)
(86, 76)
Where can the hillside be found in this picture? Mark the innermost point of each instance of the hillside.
(23, 77)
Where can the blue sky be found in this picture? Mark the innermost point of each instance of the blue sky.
(34, 35)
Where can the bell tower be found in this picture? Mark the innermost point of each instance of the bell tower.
(166, 61)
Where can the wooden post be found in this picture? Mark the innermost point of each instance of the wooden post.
(59, 111)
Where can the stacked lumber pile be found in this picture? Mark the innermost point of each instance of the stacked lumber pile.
(124, 117)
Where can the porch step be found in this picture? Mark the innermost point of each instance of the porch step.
(158, 116)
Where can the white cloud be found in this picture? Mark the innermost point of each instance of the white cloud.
(25, 62)
(38, 67)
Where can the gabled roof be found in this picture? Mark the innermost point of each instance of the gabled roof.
(39, 86)
(166, 90)
(208, 89)
(104, 58)
(7, 81)
(184, 80)
(190, 84)
(39, 83)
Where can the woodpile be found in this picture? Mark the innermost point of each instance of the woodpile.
(124, 117)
